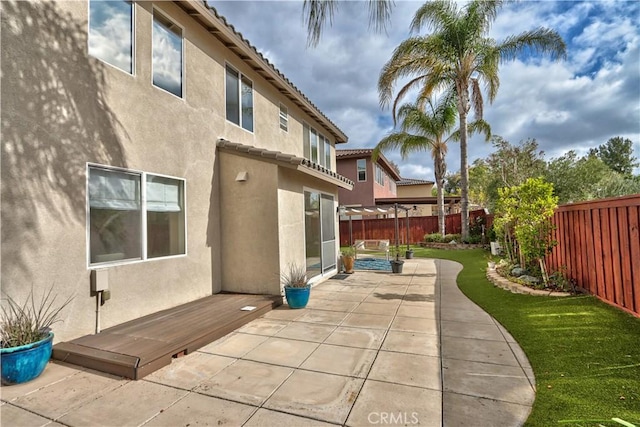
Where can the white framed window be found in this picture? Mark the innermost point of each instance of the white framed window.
(316, 147)
(134, 216)
(167, 55)
(284, 118)
(327, 154)
(111, 29)
(361, 165)
(239, 98)
(379, 175)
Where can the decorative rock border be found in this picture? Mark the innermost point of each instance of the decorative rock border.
(517, 288)
(437, 245)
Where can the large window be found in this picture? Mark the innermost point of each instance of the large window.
(239, 99)
(111, 33)
(379, 175)
(316, 147)
(127, 223)
(167, 57)
(361, 164)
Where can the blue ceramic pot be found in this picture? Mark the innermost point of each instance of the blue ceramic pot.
(297, 297)
(26, 362)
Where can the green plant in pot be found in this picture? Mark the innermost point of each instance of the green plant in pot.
(26, 337)
(348, 259)
(296, 286)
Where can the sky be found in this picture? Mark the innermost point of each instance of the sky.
(574, 104)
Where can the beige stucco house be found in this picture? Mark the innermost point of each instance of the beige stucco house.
(151, 142)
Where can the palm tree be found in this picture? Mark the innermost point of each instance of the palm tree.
(459, 56)
(425, 130)
(317, 12)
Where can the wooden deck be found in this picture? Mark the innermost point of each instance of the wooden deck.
(137, 348)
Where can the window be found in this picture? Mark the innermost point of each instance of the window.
(239, 99)
(111, 33)
(327, 154)
(167, 56)
(362, 169)
(316, 147)
(284, 118)
(379, 177)
(126, 223)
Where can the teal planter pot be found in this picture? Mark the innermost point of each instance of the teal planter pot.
(297, 297)
(26, 362)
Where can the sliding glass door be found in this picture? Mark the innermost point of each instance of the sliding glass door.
(320, 233)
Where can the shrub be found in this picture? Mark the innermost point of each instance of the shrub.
(473, 239)
(451, 237)
(433, 238)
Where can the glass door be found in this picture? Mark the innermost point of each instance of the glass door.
(320, 233)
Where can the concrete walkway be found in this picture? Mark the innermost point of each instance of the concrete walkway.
(372, 349)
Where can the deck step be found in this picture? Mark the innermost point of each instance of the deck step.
(139, 347)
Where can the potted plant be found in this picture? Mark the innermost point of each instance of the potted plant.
(396, 264)
(409, 253)
(296, 286)
(348, 259)
(26, 337)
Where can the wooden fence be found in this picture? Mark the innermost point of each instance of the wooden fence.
(599, 246)
(373, 228)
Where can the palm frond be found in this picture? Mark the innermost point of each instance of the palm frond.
(434, 16)
(541, 41)
(315, 14)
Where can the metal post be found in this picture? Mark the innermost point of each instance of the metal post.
(395, 206)
(407, 211)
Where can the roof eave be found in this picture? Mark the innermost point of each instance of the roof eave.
(208, 17)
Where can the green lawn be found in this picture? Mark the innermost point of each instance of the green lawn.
(585, 353)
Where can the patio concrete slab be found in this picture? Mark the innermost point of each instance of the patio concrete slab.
(356, 337)
(332, 305)
(322, 317)
(415, 324)
(407, 369)
(54, 372)
(59, 398)
(413, 343)
(316, 395)
(283, 352)
(236, 344)
(284, 313)
(391, 298)
(333, 359)
(245, 382)
(497, 352)
(263, 326)
(483, 331)
(462, 410)
(199, 410)
(375, 308)
(498, 382)
(339, 296)
(188, 372)
(368, 321)
(19, 417)
(136, 403)
(267, 418)
(382, 403)
(425, 311)
(306, 332)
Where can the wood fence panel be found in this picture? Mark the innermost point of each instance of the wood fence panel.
(634, 237)
(599, 243)
(616, 258)
(591, 258)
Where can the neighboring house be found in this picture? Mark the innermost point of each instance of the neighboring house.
(416, 188)
(372, 180)
(150, 139)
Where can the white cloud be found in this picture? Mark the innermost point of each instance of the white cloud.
(574, 104)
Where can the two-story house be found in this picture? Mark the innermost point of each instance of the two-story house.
(150, 140)
(372, 180)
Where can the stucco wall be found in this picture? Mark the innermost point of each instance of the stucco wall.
(362, 193)
(420, 190)
(62, 109)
